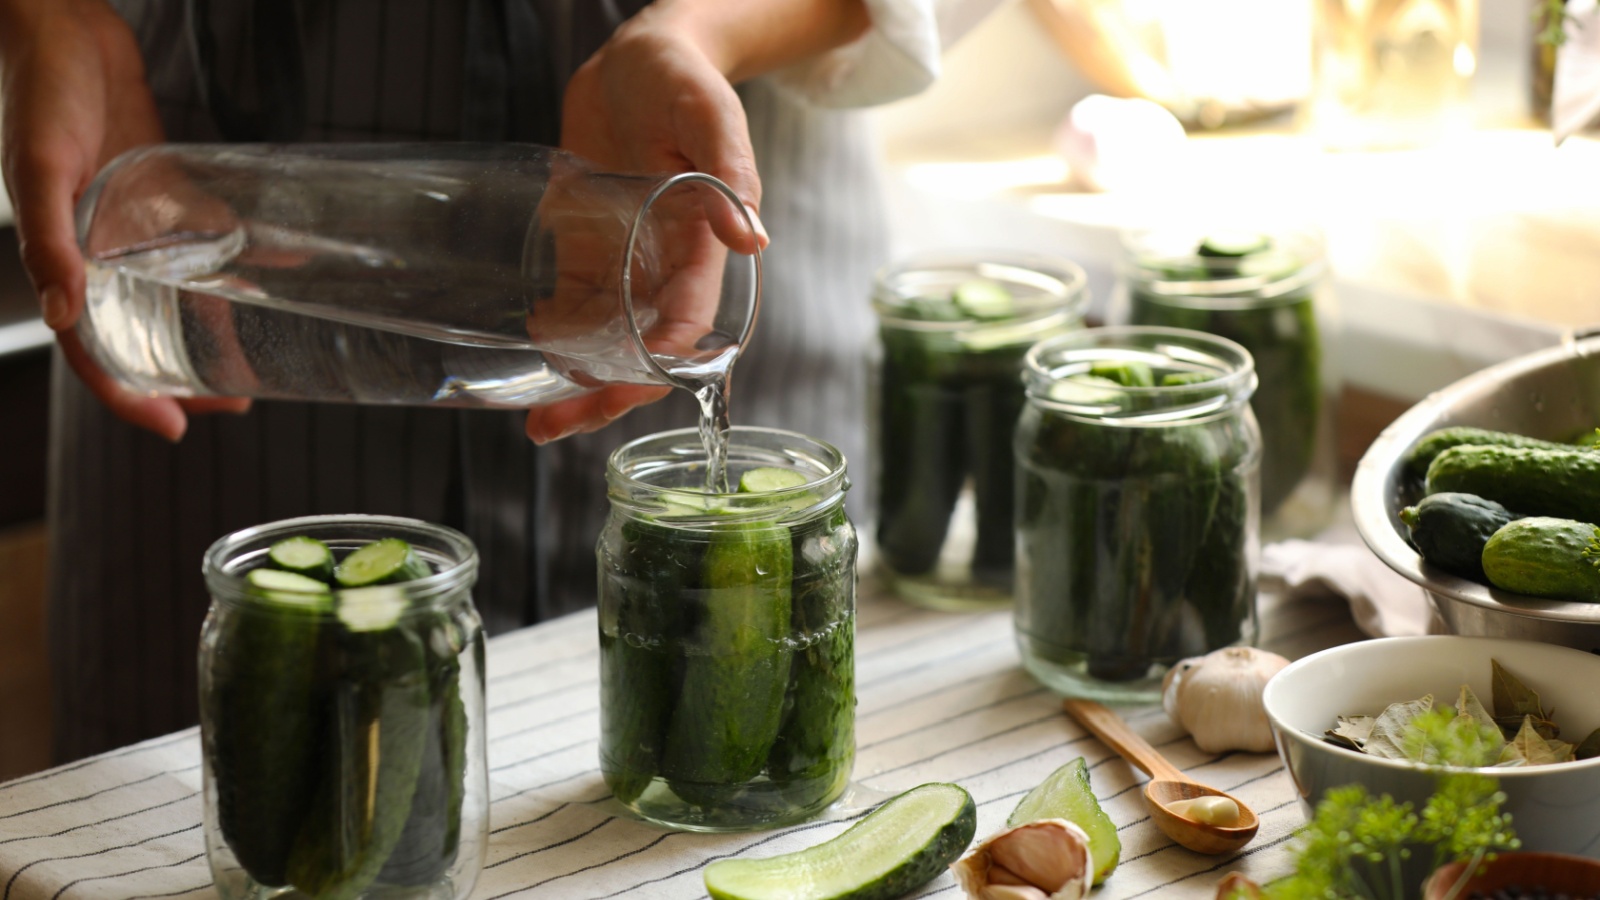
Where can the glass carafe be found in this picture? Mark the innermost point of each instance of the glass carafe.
(499, 275)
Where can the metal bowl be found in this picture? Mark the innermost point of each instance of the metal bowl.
(1550, 394)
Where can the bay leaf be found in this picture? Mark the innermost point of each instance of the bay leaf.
(1510, 725)
(1468, 704)
(1339, 740)
(1590, 747)
(1389, 728)
(1356, 729)
(1511, 697)
(1533, 749)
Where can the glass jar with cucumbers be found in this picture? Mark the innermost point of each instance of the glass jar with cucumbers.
(946, 393)
(1137, 479)
(1269, 292)
(341, 711)
(727, 631)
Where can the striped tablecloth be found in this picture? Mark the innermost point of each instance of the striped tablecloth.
(941, 699)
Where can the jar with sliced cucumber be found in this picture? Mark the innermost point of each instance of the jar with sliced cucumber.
(946, 394)
(727, 631)
(341, 710)
(1137, 480)
(1269, 292)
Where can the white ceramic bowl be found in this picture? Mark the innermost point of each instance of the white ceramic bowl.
(1553, 808)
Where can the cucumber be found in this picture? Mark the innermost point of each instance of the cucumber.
(656, 568)
(261, 734)
(899, 847)
(1450, 529)
(428, 844)
(376, 728)
(1232, 244)
(983, 299)
(1132, 373)
(770, 478)
(812, 755)
(303, 555)
(1066, 794)
(1564, 483)
(388, 561)
(922, 458)
(1546, 557)
(1436, 442)
(730, 707)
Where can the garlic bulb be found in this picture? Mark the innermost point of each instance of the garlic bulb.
(1217, 698)
(1043, 860)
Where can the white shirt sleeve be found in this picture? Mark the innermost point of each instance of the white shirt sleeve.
(897, 57)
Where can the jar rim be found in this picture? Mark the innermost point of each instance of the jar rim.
(1150, 257)
(1052, 361)
(1064, 287)
(681, 450)
(226, 579)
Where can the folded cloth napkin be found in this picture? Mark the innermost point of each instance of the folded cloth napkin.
(1382, 602)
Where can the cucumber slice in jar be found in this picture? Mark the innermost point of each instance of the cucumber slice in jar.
(983, 299)
(900, 846)
(387, 561)
(770, 478)
(1232, 244)
(289, 587)
(304, 556)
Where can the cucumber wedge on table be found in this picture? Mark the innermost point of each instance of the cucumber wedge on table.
(731, 704)
(376, 727)
(261, 736)
(1066, 794)
(900, 846)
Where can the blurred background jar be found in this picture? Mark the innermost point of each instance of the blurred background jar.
(343, 730)
(727, 631)
(1270, 292)
(946, 391)
(1137, 478)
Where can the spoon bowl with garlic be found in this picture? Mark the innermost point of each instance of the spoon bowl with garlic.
(1194, 815)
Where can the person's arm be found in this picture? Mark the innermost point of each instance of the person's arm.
(658, 97)
(73, 96)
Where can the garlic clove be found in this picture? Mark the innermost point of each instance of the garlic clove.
(1208, 810)
(1217, 698)
(1012, 892)
(1050, 856)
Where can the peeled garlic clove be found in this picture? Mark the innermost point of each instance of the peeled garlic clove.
(1217, 698)
(1208, 810)
(1050, 856)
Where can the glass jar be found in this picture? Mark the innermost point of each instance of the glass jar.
(946, 393)
(343, 730)
(1270, 293)
(727, 631)
(1137, 476)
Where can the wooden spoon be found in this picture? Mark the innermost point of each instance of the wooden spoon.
(1166, 785)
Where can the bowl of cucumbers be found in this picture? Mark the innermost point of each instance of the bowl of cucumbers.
(1487, 495)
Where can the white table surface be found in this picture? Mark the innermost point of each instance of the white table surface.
(941, 698)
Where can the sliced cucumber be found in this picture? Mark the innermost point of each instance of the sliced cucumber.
(289, 587)
(902, 845)
(1180, 379)
(1066, 794)
(303, 555)
(387, 561)
(984, 300)
(372, 608)
(768, 479)
(1132, 373)
(930, 309)
(1232, 244)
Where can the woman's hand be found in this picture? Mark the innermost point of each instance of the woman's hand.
(73, 90)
